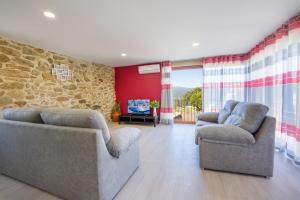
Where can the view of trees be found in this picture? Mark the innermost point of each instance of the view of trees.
(187, 94)
(187, 103)
(193, 98)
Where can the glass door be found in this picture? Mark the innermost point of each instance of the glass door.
(187, 94)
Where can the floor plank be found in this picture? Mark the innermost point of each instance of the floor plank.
(169, 169)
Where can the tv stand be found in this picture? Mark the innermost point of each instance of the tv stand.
(138, 119)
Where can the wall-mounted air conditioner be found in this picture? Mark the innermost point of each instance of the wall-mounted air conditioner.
(148, 69)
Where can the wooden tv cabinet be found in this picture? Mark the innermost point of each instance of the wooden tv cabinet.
(138, 119)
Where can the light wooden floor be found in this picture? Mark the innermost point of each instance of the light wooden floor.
(169, 170)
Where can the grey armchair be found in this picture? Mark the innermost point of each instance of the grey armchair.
(67, 152)
(243, 144)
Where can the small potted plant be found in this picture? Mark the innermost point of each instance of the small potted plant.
(154, 104)
(116, 112)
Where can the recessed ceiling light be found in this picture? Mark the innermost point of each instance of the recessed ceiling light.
(195, 44)
(123, 54)
(49, 14)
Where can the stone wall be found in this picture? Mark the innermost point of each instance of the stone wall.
(26, 80)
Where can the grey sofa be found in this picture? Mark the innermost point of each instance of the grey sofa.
(69, 153)
(242, 143)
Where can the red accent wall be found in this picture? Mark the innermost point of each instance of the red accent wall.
(129, 84)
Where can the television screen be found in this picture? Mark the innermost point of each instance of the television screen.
(139, 106)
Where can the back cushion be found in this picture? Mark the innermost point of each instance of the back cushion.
(248, 116)
(226, 111)
(1, 114)
(23, 114)
(82, 118)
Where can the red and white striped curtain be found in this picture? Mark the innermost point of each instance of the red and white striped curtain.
(166, 110)
(224, 78)
(271, 75)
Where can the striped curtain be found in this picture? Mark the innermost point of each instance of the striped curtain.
(166, 110)
(268, 74)
(224, 79)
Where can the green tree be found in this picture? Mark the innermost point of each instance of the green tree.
(193, 98)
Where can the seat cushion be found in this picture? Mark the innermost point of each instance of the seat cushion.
(248, 116)
(225, 134)
(202, 123)
(226, 111)
(82, 118)
(121, 140)
(31, 115)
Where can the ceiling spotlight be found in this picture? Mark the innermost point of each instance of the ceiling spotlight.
(123, 54)
(195, 44)
(49, 14)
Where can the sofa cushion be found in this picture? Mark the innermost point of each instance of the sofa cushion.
(203, 123)
(226, 111)
(1, 114)
(208, 117)
(82, 118)
(225, 134)
(31, 115)
(121, 140)
(248, 116)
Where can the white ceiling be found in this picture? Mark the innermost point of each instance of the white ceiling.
(148, 31)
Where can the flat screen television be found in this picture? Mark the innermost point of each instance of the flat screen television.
(139, 106)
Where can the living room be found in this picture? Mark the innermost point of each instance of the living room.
(104, 100)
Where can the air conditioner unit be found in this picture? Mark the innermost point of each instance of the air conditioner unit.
(148, 69)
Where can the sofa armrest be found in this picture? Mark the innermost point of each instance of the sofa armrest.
(265, 136)
(209, 117)
(121, 140)
(224, 134)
